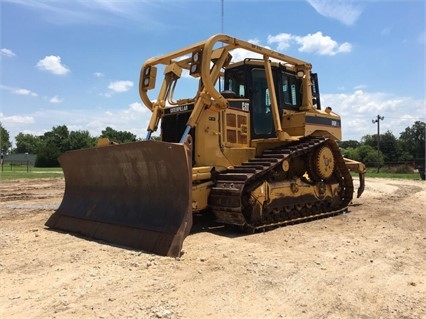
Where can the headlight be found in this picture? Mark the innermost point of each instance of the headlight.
(195, 67)
(300, 74)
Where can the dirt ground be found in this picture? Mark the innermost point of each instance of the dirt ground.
(369, 263)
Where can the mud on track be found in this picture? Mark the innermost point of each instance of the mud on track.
(369, 263)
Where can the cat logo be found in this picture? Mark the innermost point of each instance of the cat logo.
(179, 109)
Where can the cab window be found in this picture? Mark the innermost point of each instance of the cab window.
(290, 95)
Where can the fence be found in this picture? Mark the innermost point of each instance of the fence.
(17, 162)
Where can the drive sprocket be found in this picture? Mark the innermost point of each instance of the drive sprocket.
(323, 163)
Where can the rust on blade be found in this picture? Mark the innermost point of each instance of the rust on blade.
(136, 194)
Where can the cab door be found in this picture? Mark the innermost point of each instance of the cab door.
(262, 121)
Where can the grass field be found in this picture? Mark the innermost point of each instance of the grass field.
(8, 172)
(411, 176)
(372, 172)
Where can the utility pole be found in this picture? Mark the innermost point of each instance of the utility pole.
(223, 14)
(377, 120)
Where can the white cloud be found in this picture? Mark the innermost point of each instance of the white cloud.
(98, 74)
(311, 43)
(321, 44)
(120, 86)
(24, 92)
(360, 87)
(56, 100)
(106, 94)
(16, 119)
(241, 54)
(120, 8)
(137, 107)
(7, 53)
(361, 102)
(283, 40)
(53, 65)
(345, 11)
(133, 112)
(133, 118)
(18, 91)
(360, 107)
(356, 108)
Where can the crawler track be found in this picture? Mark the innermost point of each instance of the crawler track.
(232, 202)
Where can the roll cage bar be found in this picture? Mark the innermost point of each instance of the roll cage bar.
(206, 60)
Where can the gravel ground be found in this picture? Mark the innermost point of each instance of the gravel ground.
(369, 263)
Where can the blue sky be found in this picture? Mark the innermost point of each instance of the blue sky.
(77, 62)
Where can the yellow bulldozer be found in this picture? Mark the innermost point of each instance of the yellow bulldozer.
(252, 146)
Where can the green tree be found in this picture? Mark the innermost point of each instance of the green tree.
(404, 156)
(48, 153)
(80, 139)
(409, 147)
(349, 144)
(390, 148)
(5, 144)
(27, 143)
(58, 136)
(118, 136)
(369, 156)
(52, 144)
(413, 140)
(370, 140)
(49, 149)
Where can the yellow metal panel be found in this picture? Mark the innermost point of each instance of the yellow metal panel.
(207, 141)
(312, 123)
(236, 156)
(236, 128)
(200, 195)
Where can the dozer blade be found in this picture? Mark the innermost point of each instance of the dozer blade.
(136, 195)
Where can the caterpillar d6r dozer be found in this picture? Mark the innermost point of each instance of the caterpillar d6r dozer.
(257, 153)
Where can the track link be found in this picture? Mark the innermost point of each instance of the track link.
(230, 197)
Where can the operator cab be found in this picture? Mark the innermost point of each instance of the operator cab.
(248, 80)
